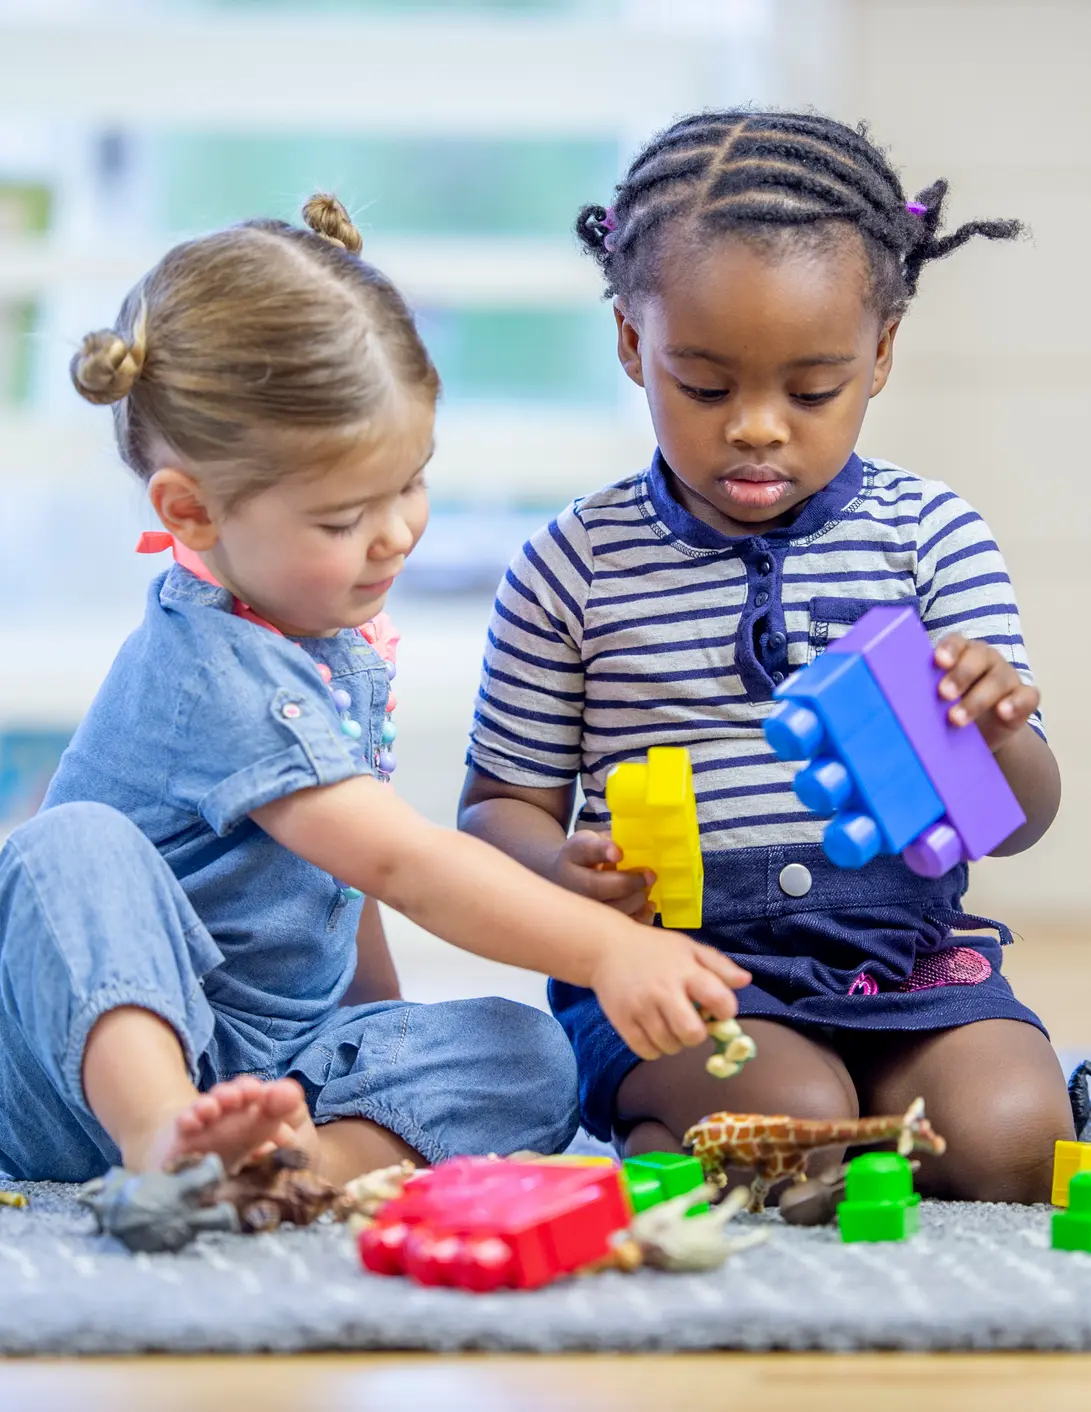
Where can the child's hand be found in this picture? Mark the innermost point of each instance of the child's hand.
(650, 988)
(587, 864)
(985, 687)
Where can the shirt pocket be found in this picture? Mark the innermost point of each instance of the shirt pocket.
(832, 618)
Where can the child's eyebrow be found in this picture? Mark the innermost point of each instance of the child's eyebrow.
(817, 361)
(823, 360)
(358, 501)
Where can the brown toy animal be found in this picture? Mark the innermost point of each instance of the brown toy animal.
(277, 1189)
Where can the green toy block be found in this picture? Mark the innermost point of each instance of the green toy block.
(880, 1203)
(657, 1176)
(1072, 1228)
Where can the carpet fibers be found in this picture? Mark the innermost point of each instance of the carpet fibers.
(976, 1277)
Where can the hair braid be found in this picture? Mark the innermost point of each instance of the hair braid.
(752, 173)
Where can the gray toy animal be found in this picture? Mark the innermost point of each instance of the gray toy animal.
(154, 1211)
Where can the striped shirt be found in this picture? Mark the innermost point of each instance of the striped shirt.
(627, 623)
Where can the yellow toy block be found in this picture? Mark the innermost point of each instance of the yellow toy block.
(654, 813)
(1068, 1159)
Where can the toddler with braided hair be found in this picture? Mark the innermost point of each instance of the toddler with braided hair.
(759, 265)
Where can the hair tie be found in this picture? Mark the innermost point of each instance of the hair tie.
(609, 220)
(916, 209)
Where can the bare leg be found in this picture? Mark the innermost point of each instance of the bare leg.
(792, 1074)
(994, 1089)
(136, 1084)
(349, 1147)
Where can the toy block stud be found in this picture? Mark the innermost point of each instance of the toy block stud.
(1072, 1228)
(880, 1203)
(863, 770)
(1068, 1159)
(935, 852)
(654, 823)
(655, 1177)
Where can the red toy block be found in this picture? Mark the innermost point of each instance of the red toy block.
(480, 1224)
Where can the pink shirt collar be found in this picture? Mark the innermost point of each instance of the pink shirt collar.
(379, 631)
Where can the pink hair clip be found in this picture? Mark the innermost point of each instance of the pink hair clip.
(609, 220)
(916, 209)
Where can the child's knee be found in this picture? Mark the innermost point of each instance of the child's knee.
(1009, 1158)
(534, 1100)
(74, 836)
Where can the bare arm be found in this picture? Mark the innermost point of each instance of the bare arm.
(474, 896)
(532, 826)
(984, 687)
(1030, 767)
(376, 977)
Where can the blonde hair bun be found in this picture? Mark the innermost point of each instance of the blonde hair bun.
(328, 218)
(106, 367)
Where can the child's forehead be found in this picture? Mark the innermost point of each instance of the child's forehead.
(737, 301)
(372, 465)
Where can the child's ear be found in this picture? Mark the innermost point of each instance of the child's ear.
(180, 503)
(628, 344)
(884, 356)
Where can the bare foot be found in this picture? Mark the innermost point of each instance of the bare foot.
(233, 1119)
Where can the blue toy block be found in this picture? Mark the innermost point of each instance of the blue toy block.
(863, 770)
(980, 808)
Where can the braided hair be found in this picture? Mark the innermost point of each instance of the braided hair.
(769, 177)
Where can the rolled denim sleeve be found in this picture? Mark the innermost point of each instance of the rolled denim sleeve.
(256, 723)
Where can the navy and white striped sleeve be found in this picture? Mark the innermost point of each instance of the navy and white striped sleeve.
(528, 723)
(963, 583)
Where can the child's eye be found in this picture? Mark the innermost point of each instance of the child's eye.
(703, 394)
(814, 399)
(341, 529)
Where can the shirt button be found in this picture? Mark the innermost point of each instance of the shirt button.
(795, 880)
(777, 678)
(761, 598)
(764, 565)
(777, 641)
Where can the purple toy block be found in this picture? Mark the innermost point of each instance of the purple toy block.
(979, 804)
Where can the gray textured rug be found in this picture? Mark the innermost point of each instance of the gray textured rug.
(976, 1277)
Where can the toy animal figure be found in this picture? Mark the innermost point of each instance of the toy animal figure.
(154, 1211)
(733, 1048)
(669, 1239)
(777, 1146)
(277, 1189)
(364, 1196)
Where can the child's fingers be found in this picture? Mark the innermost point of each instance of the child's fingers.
(614, 887)
(1019, 705)
(591, 850)
(684, 1025)
(713, 995)
(984, 695)
(730, 972)
(657, 1029)
(949, 649)
(973, 662)
(637, 1038)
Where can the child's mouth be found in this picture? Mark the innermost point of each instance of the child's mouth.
(755, 487)
(374, 590)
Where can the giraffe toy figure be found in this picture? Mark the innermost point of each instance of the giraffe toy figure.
(777, 1146)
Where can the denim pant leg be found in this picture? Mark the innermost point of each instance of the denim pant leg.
(454, 1077)
(91, 918)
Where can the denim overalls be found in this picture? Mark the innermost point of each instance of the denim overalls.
(144, 882)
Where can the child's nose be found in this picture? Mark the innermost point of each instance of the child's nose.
(756, 425)
(395, 537)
